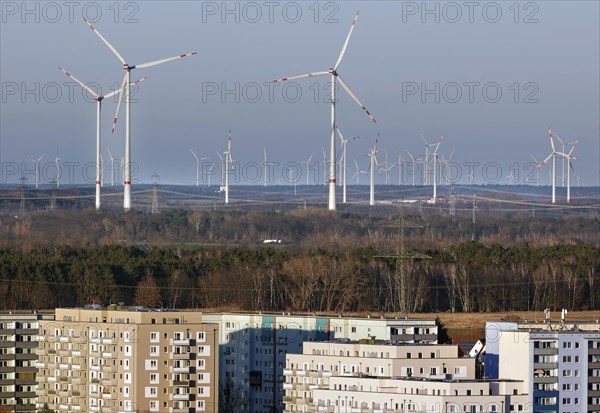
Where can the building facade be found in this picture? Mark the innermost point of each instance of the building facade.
(559, 363)
(253, 347)
(18, 343)
(369, 378)
(122, 359)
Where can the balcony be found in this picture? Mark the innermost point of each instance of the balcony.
(187, 369)
(41, 351)
(182, 356)
(546, 366)
(179, 383)
(185, 396)
(548, 351)
(183, 342)
(545, 379)
(108, 396)
(179, 409)
(109, 355)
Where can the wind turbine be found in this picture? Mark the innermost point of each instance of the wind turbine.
(345, 163)
(414, 169)
(426, 160)
(373, 156)
(334, 78)
(511, 178)
(222, 171)
(98, 98)
(537, 170)
(562, 151)
(471, 176)
(112, 168)
(435, 167)
(228, 163)
(266, 164)
(357, 173)
(37, 170)
(58, 174)
(569, 156)
(125, 86)
(308, 168)
(553, 157)
(197, 168)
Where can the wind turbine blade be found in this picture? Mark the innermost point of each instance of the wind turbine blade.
(353, 96)
(309, 159)
(423, 138)
(194, 153)
(314, 74)
(546, 160)
(123, 85)
(83, 85)
(115, 92)
(340, 133)
(558, 137)
(158, 62)
(110, 46)
(533, 157)
(219, 155)
(551, 140)
(345, 47)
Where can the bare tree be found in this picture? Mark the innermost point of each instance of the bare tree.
(147, 293)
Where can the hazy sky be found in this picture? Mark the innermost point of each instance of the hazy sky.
(543, 57)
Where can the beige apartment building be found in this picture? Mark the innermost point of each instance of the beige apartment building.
(121, 359)
(393, 378)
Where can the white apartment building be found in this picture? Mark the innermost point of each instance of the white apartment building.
(371, 378)
(558, 362)
(253, 347)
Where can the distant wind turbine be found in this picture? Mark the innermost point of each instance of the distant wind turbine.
(553, 157)
(98, 98)
(334, 78)
(125, 85)
(37, 170)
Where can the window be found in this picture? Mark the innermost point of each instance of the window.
(354, 329)
(567, 373)
(154, 337)
(566, 359)
(154, 350)
(567, 344)
(153, 378)
(201, 336)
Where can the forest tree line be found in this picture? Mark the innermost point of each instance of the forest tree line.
(329, 271)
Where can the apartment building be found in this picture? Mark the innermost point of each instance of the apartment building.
(558, 361)
(253, 347)
(18, 343)
(369, 378)
(127, 359)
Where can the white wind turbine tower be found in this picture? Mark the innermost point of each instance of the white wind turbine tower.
(98, 98)
(266, 164)
(57, 165)
(334, 78)
(197, 168)
(471, 176)
(228, 164)
(344, 161)
(37, 170)
(435, 167)
(569, 156)
(373, 156)
(125, 86)
(553, 157)
(414, 167)
(308, 168)
(111, 168)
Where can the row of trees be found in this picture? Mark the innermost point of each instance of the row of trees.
(296, 226)
(330, 273)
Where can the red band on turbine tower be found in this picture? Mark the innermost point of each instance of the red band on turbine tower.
(127, 183)
(332, 180)
(98, 182)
